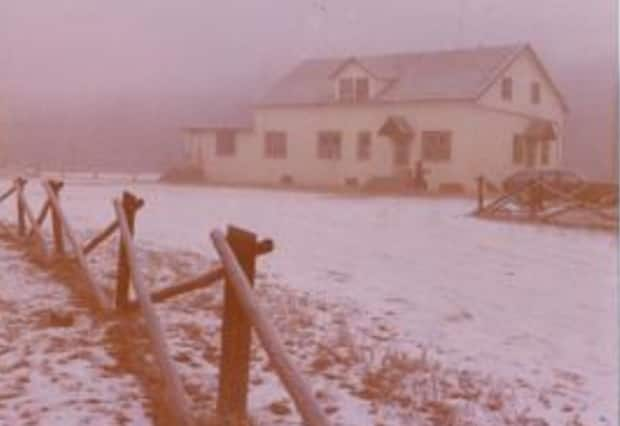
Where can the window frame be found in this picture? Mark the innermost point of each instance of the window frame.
(347, 83)
(507, 88)
(439, 153)
(518, 149)
(225, 143)
(275, 144)
(362, 96)
(545, 152)
(535, 93)
(329, 145)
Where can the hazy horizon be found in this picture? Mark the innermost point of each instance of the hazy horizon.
(127, 74)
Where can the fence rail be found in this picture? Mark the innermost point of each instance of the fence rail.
(174, 389)
(290, 377)
(589, 204)
(238, 251)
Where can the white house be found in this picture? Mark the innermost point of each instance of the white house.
(348, 121)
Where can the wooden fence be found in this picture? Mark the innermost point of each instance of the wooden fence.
(238, 251)
(590, 204)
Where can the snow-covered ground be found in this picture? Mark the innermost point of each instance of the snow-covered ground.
(54, 369)
(528, 308)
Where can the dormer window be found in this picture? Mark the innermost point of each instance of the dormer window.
(346, 89)
(353, 89)
(507, 89)
(362, 90)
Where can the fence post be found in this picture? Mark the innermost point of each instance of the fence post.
(59, 242)
(480, 180)
(21, 214)
(130, 204)
(236, 336)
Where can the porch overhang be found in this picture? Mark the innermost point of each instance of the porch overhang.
(397, 128)
(540, 130)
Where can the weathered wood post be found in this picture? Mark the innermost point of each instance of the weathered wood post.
(290, 377)
(236, 332)
(480, 180)
(130, 204)
(21, 214)
(236, 337)
(59, 241)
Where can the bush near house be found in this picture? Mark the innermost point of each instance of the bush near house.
(182, 174)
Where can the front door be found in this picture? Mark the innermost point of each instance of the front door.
(402, 155)
(530, 152)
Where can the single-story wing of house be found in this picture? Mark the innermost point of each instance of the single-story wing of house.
(338, 122)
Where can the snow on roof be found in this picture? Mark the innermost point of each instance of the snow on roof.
(453, 74)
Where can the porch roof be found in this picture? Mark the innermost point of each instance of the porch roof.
(541, 130)
(396, 127)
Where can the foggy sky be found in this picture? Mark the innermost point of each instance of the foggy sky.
(79, 53)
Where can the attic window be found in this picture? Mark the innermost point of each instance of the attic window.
(507, 89)
(347, 92)
(353, 90)
(535, 93)
(361, 89)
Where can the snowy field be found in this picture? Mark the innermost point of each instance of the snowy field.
(530, 311)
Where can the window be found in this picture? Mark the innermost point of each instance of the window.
(517, 149)
(530, 152)
(329, 145)
(436, 145)
(363, 146)
(544, 152)
(347, 92)
(535, 93)
(362, 89)
(275, 144)
(225, 143)
(354, 90)
(507, 89)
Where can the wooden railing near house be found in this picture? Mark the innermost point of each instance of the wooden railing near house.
(587, 204)
(238, 251)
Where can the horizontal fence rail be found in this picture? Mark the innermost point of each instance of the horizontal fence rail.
(242, 313)
(540, 200)
(95, 289)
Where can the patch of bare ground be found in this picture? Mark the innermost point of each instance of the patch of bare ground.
(354, 362)
(51, 356)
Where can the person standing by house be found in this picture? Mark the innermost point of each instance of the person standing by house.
(419, 180)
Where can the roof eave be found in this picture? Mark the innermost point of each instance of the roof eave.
(372, 102)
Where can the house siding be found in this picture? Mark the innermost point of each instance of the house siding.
(482, 132)
(523, 71)
(481, 144)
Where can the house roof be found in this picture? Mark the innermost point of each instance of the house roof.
(441, 75)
